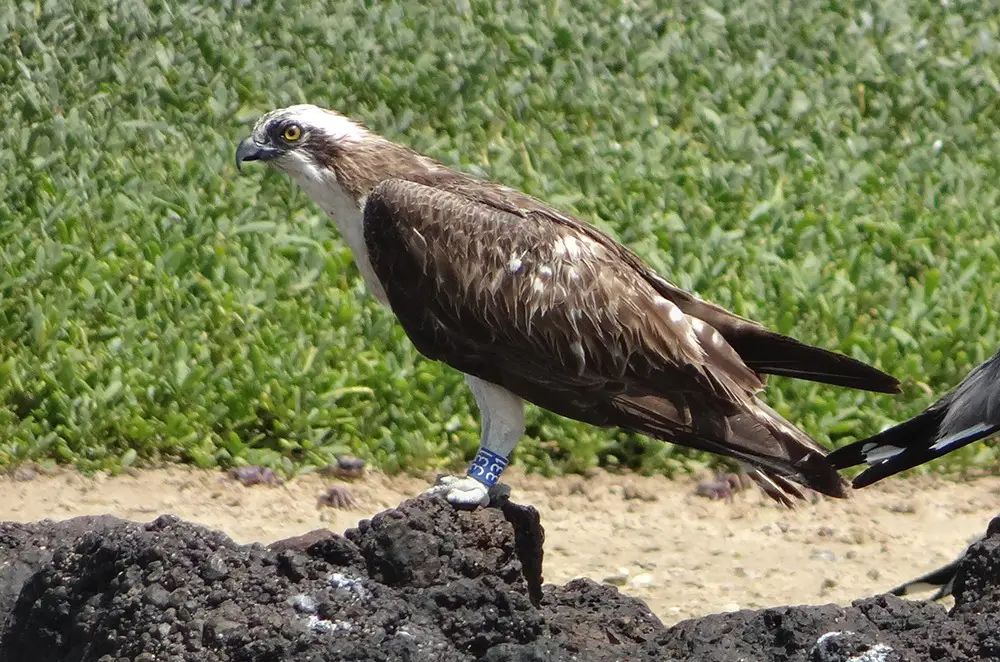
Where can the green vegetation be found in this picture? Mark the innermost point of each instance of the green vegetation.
(829, 169)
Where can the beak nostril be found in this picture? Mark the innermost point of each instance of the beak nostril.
(251, 150)
(247, 150)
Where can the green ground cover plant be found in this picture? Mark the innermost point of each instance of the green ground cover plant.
(829, 169)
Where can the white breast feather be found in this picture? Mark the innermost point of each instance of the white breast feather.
(321, 185)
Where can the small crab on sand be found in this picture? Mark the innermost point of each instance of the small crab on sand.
(723, 486)
(338, 496)
(254, 475)
(346, 467)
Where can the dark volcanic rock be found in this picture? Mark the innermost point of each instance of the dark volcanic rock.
(421, 582)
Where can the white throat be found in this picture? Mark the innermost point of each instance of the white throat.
(322, 186)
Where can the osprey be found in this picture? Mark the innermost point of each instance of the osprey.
(534, 305)
(967, 413)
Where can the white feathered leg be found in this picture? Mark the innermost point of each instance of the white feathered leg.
(502, 416)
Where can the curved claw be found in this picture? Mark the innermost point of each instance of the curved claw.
(461, 491)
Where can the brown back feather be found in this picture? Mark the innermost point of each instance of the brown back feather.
(541, 307)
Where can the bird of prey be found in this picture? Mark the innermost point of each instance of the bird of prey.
(532, 304)
(969, 412)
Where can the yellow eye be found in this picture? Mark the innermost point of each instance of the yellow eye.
(293, 133)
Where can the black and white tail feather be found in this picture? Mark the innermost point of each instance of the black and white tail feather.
(968, 413)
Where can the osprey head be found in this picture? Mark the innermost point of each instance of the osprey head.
(300, 138)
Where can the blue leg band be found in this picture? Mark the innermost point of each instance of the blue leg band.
(487, 467)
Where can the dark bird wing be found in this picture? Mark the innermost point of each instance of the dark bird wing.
(489, 282)
(775, 354)
(777, 487)
(969, 412)
(943, 579)
(763, 351)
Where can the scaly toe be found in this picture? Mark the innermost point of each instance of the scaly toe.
(461, 491)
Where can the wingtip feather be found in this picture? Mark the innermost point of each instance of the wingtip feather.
(900, 448)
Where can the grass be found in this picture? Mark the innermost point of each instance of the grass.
(828, 169)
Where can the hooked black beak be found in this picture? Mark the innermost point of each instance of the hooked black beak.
(251, 150)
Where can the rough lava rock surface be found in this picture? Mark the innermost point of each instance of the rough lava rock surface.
(420, 582)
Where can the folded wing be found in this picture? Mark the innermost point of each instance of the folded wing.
(538, 304)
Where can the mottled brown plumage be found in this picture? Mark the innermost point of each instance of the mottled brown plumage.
(552, 310)
(510, 290)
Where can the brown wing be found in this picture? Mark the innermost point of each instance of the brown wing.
(764, 351)
(519, 299)
(775, 354)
